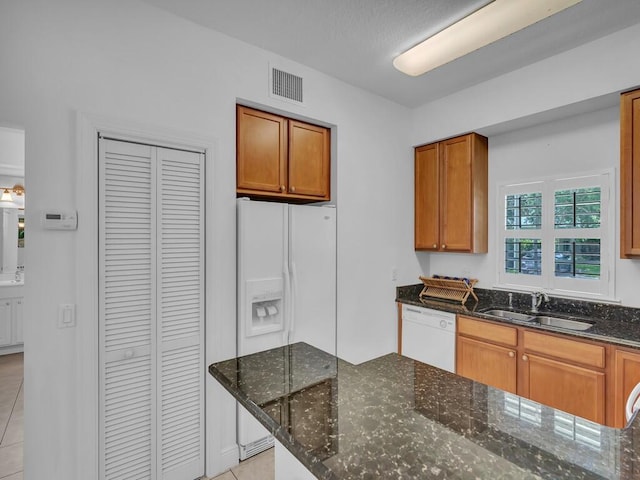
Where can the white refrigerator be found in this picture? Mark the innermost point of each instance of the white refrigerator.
(286, 275)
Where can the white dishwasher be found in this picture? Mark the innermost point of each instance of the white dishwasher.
(429, 336)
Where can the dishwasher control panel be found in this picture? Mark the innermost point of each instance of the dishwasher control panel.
(429, 317)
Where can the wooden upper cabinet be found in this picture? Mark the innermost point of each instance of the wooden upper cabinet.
(309, 159)
(281, 158)
(630, 174)
(427, 197)
(261, 150)
(451, 195)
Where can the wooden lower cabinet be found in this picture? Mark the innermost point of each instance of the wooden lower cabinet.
(554, 370)
(487, 363)
(576, 390)
(626, 376)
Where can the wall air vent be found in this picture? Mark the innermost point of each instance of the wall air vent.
(286, 86)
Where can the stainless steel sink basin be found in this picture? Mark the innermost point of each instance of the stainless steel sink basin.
(508, 314)
(563, 323)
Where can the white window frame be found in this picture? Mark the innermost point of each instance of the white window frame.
(602, 288)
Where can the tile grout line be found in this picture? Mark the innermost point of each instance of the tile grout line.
(13, 407)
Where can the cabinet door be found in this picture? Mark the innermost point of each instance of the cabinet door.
(626, 376)
(309, 160)
(456, 196)
(576, 390)
(261, 151)
(5, 322)
(487, 363)
(18, 319)
(427, 198)
(630, 174)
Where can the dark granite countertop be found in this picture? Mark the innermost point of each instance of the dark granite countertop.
(611, 323)
(396, 418)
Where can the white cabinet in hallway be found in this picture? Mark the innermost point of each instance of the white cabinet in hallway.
(6, 322)
(151, 264)
(11, 318)
(18, 318)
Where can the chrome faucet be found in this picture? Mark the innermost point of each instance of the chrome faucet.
(536, 300)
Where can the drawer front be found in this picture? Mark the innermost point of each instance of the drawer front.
(488, 331)
(566, 349)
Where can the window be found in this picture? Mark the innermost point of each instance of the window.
(555, 234)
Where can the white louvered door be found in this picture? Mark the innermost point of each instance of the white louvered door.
(180, 314)
(151, 312)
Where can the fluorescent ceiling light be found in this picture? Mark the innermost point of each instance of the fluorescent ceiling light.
(486, 25)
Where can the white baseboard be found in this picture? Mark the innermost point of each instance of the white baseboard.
(12, 349)
(228, 458)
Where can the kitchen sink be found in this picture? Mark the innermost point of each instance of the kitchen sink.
(563, 323)
(508, 314)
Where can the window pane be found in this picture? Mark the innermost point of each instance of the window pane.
(523, 255)
(523, 211)
(578, 208)
(577, 257)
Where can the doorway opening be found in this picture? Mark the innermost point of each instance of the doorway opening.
(12, 277)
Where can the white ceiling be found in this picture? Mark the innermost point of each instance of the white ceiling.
(356, 40)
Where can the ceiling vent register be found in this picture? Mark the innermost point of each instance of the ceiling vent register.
(286, 85)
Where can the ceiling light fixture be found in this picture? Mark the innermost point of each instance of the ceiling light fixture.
(492, 22)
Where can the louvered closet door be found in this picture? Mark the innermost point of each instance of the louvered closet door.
(151, 314)
(180, 314)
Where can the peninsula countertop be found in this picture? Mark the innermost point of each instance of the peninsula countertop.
(396, 418)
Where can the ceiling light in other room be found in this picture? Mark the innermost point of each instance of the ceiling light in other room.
(486, 25)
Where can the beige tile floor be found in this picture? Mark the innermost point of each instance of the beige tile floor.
(260, 467)
(11, 416)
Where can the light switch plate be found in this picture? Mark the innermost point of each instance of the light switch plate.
(66, 315)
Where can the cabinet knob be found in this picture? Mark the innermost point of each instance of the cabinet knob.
(282, 188)
(444, 246)
(435, 245)
(293, 189)
(525, 358)
(512, 354)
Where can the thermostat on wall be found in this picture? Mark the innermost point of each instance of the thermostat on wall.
(60, 220)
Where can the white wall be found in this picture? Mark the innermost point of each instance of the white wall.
(11, 154)
(550, 91)
(126, 60)
(580, 75)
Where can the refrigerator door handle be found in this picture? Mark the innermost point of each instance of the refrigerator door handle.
(292, 297)
(286, 314)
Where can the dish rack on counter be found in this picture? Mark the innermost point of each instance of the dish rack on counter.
(446, 288)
